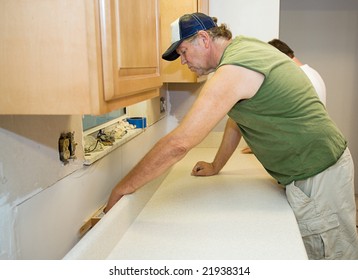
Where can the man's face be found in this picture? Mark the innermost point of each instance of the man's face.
(192, 53)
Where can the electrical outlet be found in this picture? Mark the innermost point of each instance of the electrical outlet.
(67, 146)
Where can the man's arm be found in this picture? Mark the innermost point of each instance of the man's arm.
(229, 143)
(227, 86)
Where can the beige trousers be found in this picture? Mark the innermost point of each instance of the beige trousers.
(324, 206)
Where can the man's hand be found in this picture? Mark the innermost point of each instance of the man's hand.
(203, 168)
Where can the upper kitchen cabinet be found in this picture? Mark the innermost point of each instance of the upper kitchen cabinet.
(130, 46)
(76, 56)
(173, 71)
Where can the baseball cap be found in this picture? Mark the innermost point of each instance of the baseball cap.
(185, 27)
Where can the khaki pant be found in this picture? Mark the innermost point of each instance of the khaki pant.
(324, 206)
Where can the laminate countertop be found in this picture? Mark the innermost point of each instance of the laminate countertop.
(241, 213)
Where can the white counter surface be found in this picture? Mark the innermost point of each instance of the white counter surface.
(239, 214)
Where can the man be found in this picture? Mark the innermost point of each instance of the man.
(271, 103)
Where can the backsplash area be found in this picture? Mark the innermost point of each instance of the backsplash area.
(46, 224)
(43, 201)
(30, 164)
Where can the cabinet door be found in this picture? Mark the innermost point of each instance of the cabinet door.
(130, 47)
(173, 71)
(43, 57)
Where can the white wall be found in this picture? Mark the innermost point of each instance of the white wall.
(255, 18)
(43, 203)
(29, 163)
(47, 225)
(324, 34)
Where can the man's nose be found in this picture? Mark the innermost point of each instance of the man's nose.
(183, 60)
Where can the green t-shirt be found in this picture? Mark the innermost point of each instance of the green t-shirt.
(285, 124)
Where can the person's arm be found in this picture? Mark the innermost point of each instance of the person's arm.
(229, 143)
(226, 87)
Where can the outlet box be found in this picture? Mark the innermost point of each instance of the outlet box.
(67, 146)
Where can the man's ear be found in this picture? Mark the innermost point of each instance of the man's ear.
(204, 37)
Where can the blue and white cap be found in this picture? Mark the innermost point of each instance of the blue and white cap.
(183, 28)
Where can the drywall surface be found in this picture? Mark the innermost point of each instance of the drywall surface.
(256, 18)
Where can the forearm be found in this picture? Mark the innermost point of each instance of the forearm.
(229, 143)
(162, 156)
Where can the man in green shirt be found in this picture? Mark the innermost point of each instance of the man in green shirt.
(272, 104)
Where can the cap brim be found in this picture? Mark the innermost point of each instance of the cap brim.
(171, 53)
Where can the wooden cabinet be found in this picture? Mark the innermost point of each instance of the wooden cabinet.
(130, 46)
(76, 56)
(173, 71)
